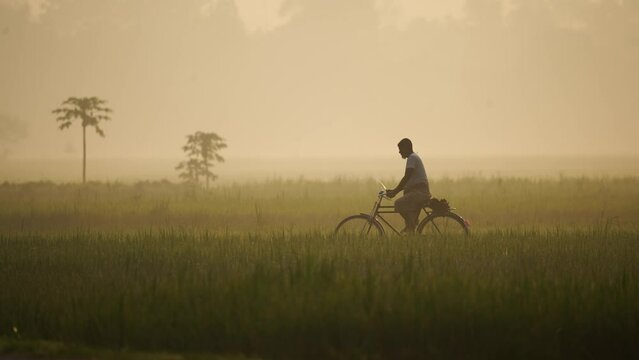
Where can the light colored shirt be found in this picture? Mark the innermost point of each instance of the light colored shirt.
(413, 161)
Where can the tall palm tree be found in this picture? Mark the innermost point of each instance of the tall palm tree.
(91, 110)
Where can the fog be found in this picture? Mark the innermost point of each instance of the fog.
(321, 79)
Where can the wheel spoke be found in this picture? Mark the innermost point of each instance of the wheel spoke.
(364, 230)
(436, 228)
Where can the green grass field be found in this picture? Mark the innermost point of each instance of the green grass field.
(551, 270)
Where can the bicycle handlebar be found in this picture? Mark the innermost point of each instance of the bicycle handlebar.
(383, 194)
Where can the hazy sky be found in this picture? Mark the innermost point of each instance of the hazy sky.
(310, 78)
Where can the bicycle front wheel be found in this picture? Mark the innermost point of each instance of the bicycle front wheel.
(443, 225)
(359, 225)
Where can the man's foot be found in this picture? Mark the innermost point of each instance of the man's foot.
(407, 231)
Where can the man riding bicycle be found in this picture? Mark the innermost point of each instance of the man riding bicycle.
(440, 219)
(415, 186)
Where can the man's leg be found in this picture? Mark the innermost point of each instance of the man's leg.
(418, 202)
(407, 208)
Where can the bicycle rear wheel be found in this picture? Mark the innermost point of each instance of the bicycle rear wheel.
(359, 225)
(443, 225)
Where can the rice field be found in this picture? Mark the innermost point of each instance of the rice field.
(551, 270)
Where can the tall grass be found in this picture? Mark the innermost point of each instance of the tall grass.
(304, 205)
(551, 270)
(520, 294)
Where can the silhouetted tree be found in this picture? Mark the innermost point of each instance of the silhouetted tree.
(92, 111)
(202, 151)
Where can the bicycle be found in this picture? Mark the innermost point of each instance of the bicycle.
(438, 222)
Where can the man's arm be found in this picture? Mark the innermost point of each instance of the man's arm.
(402, 183)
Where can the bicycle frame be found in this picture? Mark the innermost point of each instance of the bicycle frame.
(378, 209)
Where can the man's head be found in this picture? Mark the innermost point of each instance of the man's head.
(405, 147)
